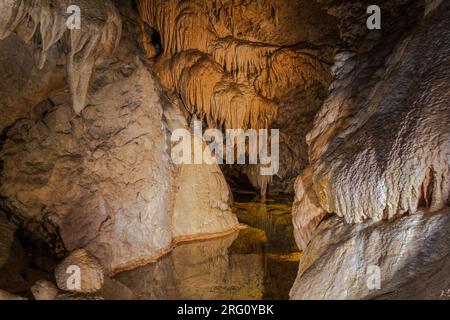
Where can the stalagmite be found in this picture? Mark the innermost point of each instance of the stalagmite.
(307, 212)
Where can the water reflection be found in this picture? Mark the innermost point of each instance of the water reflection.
(249, 264)
(273, 215)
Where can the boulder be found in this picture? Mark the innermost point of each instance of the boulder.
(44, 290)
(79, 263)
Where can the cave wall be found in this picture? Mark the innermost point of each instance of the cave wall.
(379, 146)
(412, 255)
(97, 174)
(379, 150)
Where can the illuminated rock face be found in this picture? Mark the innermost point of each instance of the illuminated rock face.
(404, 259)
(102, 180)
(97, 36)
(85, 155)
(380, 149)
(380, 145)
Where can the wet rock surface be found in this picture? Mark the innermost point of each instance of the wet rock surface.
(412, 255)
(231, 267)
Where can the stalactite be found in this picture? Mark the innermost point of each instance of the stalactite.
(289, 68)
(214, 71)
(241, 57)
(209, 92)
(99, 35)
(182, 24)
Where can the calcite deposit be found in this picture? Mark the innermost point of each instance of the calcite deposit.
(91, 93)
(410, 256)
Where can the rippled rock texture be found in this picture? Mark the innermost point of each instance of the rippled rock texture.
(412, 254)
(380, 145)
(252, 64)
(379, 149)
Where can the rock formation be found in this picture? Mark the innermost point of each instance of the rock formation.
(7, 230)
(79, 262)
(98, 35)
(375, 155)
(102, 179)
(88, 110)
(44, 290)
(412, 255)
(380, 149)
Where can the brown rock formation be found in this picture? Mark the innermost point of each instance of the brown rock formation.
(103, 179)
(380, 149)
(235, 65)
(99, 35)
(87, 114)
(44, 290)
(90, 272)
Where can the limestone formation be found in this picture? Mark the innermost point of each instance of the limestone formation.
(87, 114)
(44, 290)
(87, 267)
(342, 260)
(233, 64)
(307, 212)
(378, 155)
(103, 180)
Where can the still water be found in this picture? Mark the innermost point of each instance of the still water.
(257, 262)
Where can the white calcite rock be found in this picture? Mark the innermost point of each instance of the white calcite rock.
(306, 210)
(412, 254)
(380, 145)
